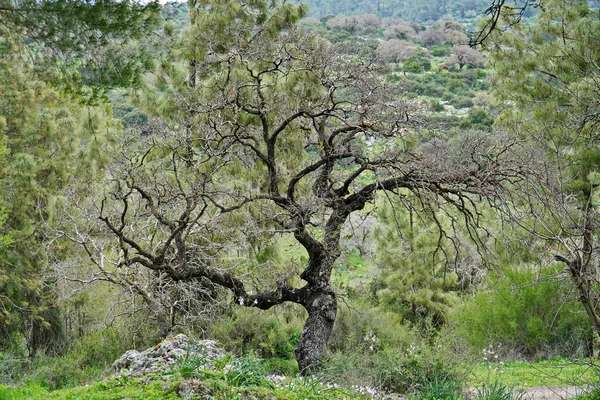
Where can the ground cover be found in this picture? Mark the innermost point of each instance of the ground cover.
(560, 372)
(242, 378)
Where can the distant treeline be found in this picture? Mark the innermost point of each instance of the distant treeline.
(410, 10)
(415, 11)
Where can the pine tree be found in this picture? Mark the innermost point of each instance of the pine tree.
(547, 75)
(415, 263)
(47, 137)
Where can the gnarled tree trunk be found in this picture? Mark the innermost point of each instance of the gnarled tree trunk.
(321, 304)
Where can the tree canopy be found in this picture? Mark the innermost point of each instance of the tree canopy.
(276, 137)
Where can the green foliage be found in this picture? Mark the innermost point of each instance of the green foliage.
(417, 63)
(414, 277)
(72, 42)
(61, 372)
(554, 63)
(45, 140)
(526, 314)
(374, 348)
(272, 334)
(498, 391)
(480, 118)
(413, 11)
(556, 372)
(461, 102)
(421, 366)
(436, 105)
(12, 367)
(89, 359)
(593, 394)
(247, 370)
(440, 51)
(231, 378)
(439, 389)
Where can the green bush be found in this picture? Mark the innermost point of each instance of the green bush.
(526, 316)
(417, 63)
(374, 348)
(12, 368)
(271, 334)
(413, 66)
(439, 389)
(99, 348)
(461, 102)
(87, 360)
(440, 51)
(61, 372)
(481, 118)
(436, 105)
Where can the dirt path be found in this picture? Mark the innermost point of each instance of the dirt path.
(552, 393)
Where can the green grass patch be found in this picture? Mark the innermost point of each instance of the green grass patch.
(559, 372)
(234, 378)
(115, 389)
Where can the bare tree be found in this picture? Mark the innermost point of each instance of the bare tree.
(395, 50)
(284, 140)
(355, 23)
(465, 55)
(398, 28)
(432, 36)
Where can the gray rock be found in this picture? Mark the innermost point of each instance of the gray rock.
(168, 353)
(194, 389)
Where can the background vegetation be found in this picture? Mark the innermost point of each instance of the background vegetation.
(434, 296)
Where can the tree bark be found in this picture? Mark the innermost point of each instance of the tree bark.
(321, 305)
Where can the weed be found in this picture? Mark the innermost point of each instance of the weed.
(498, 391)
(189, 364)
(439, 389)
(247, 371)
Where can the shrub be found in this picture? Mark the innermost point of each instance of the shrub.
(12, 368)
(436, 105)
(374, 348)
(440, 51)
(481, 118)
(413, 66)
(271, 334)
(89, 359)
(461, 102)
(61, 372)
(527, 316)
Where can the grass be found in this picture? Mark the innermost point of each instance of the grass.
(225, 383)
(498, 391)
(542, 373)
(234, 378)
(115, 389)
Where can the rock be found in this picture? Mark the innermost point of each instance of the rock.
(194, 389)
(167, 354)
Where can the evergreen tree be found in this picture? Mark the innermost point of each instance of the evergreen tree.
(549, 73)
(415, 262)
(47, 137)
